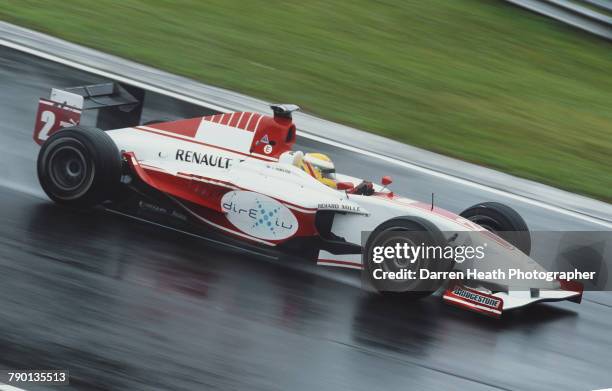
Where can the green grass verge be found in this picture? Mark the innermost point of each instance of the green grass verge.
(475, 79)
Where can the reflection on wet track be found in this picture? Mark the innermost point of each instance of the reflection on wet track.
(125, 305)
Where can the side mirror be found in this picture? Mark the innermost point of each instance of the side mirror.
(344, 186)
(386, 180)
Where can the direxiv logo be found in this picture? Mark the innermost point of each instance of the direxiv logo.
(261, 216)
(258, 215)
(203, 158)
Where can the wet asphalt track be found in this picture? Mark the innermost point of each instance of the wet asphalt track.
(129, 306)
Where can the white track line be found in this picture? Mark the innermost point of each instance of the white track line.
(199, 102)
(6, 387)
(110, 75)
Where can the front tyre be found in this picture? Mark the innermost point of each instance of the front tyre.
(415, 232)
(79, 166)
(503, 221)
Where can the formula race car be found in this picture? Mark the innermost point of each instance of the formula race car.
(235, 175)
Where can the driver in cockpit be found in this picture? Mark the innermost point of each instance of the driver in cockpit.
(321, 167)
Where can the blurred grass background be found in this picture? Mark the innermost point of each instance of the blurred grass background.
(475, 79)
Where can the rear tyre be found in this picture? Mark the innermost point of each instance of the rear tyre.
(502, 220)
(79, 166)
(414, 231)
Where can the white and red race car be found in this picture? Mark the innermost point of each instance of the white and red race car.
(235, 175)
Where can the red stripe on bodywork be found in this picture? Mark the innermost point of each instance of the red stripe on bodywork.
(234, 119)
(244, 120)
(225, 119)
(253, 122)
(177, 186)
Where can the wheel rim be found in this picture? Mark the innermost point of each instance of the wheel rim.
(485, 222)
(399, 234)
(68, 168)
(397, 262)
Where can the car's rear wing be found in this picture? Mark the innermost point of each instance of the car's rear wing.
(118, 106)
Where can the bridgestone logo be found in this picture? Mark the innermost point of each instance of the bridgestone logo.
(476, 297)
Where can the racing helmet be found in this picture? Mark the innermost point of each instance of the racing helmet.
(292, 158)
(320, 167)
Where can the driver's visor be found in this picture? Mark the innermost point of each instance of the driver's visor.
(329, 173)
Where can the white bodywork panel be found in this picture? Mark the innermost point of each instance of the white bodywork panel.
(280, 181)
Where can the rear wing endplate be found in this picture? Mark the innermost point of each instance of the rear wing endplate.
(118, 106)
